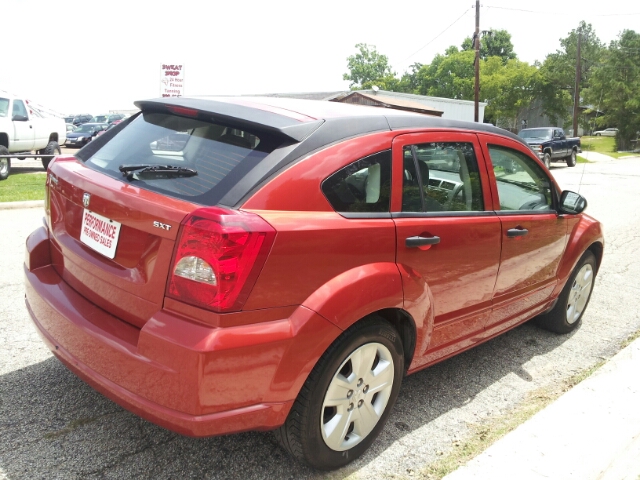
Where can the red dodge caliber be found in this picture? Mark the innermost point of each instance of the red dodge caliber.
(231, 264)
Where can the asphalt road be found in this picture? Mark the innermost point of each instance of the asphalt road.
(54, 426)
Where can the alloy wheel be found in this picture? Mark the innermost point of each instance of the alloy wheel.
(579, 294)
(357, 396)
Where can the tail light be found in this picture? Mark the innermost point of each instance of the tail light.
(218, 257)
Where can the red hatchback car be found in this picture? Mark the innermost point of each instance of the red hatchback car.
(232, 264)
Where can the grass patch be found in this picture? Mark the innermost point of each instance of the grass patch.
(483, 436)
(604, 145)
(23, 186)
(629, 340)
(580, 159)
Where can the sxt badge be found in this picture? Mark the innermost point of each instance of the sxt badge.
(163, 226)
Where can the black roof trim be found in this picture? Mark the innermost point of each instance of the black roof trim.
(398, 122)
(239, 116)
(332, 131)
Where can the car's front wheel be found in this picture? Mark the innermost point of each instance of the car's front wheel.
(547, 160)
(347, 397)
(574, 298)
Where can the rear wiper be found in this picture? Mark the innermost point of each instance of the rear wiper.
(155, 171)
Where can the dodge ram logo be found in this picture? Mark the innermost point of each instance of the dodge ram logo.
(86, 198)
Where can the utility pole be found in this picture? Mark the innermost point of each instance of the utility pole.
(476, 94)
(576, 96)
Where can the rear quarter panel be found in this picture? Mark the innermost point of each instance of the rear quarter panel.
(341, 268)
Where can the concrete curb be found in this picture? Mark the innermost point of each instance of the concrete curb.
(592, 432)
(18, 205)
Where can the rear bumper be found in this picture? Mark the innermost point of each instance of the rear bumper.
(191, 378)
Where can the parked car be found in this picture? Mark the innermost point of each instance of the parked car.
(108, 118)
(111, 125)
(551, 144)
(84, 133)
(23, 130)
(70, 127)
(82, 118)
(607, 132)
(286, 262)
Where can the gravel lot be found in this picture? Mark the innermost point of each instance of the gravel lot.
(55, 426)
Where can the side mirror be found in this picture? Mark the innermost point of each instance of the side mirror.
(572, 203)
(19, 118)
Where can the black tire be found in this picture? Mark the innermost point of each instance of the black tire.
(546, 159)
(571, 159)
(303, 434)
(571, 305)
(598, 134)
(5, 163)
(52, 148)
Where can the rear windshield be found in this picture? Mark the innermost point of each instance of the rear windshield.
(537, 133)
(220, 155)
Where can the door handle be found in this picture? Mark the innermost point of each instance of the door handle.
(419, 241)
(517, 232)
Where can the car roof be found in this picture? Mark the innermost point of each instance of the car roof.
(280, 114)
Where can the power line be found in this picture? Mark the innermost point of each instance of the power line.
(514, 9)
(619, 14)
(437, 36)
(558, 13)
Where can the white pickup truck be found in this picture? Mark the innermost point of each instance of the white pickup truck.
(23, 129)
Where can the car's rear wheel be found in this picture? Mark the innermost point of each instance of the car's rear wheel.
(52, 148)
(574, 298)
(572, 159)
(347, 398)
(547, 160)
(5, 164)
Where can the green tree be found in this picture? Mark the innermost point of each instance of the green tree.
(368, 68)
(410, 81)
(450, 75)
(615, 87)
(495, 43)
(507, 88)
(558, 71)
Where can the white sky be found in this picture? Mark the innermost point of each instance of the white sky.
(78, 57)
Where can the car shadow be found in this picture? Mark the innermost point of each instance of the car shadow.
(54, 425)
(15, 169)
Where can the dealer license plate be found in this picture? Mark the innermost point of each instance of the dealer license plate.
(100, 233)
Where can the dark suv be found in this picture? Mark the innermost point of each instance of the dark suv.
(108, 118)
(82, 118)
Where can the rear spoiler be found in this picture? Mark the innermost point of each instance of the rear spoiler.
(239, 116)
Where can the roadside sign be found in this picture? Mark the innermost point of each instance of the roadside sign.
(171, 80)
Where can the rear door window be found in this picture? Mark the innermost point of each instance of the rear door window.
(441, 177)
(203, 160)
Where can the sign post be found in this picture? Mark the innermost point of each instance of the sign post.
(171, 80)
